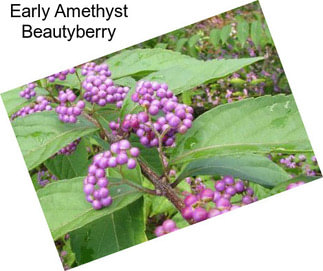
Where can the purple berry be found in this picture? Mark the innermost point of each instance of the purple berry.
(96, 204)
(228, 180)
(102, 182)
(131, 163)
(115, 147)
(199, 214)
(223, 203)
(246, 199)
(214, 212)
(122, 158)
(169, 225)
(239, 186)
(207, 194)
(153, 110)
(104, 192)
(220, 185)
(249, 191)
(134, 152)
(187, 212)
(159, 231)
(88, 189)
(106, 201)
(230, 190)
(190, 200)
(124, 144)
(113, 162)
(143, 117)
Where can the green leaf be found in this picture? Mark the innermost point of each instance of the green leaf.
(268, 35)
(257, 81)
(125, 81)
(193, 40)
(237, 81)
(66, 209)
(132, 62)
(242, 32)
(148, 155)
(35, 182)
(261, 125)
(69, 166)
(69, 259)
(105, 116)
(225, 33)
(160, 205)
(71, 81)
(180, 221)
(191, 45)
(128, 106)
(260, 191)
(41, 135)
(13, 102)
(133, 175)
(109, 234)
(187, 97)
(251, 167)
(282, 187)
(161, 45)
(215, 37)
(184, 77)
(180, 44)
(256, 32)
(95, 139)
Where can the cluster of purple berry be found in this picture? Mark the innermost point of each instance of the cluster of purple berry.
(292, 185)
(91, 68)
(167, 227)
(29, 91)
(100, 89)
(96, 183)
(129, 123)
(292, 162)
(199, 206)
(67, 112)
(70, 148)
(41, 104)
(60, 75)
(238, 86)
(157, 99)
(44, 177)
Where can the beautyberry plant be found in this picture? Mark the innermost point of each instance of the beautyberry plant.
(147, 141)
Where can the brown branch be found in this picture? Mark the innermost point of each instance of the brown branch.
(162, 187)
(103, 132)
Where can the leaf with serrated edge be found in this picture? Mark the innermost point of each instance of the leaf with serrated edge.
(132, 62)
(111, 233)
(66, 209)
(251, 167)
(185, 76)
(41, 135)
(261, 125)
(69, 166)
(128, 106)
(13, 102)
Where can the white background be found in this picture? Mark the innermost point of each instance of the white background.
(283, 232)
